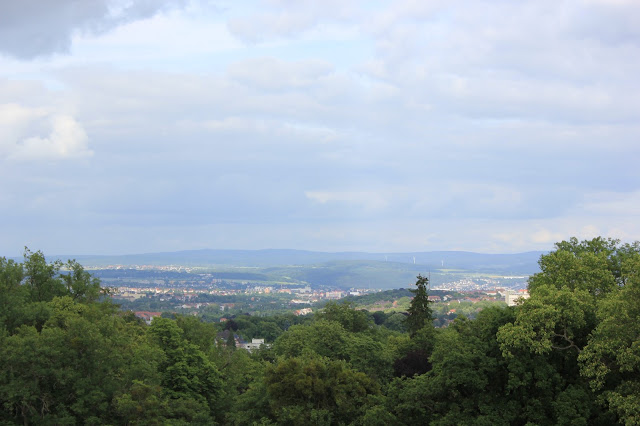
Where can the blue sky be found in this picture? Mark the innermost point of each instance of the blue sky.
(490, 126)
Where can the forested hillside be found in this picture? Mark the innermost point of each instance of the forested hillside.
(570, 354)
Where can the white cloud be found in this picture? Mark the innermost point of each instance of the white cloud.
(492, 125)
(369, 200)
(286, 18)
(613, 203)
(544, 236)
(588, 232)
(37, 134)
(274, 74)
(14, 120)
(285, 133)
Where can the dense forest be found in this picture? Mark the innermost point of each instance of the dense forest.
(570, 354)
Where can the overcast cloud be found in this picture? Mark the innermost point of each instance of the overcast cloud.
(143, 126)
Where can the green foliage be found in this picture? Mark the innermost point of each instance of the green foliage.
(231, 340)
(565, 296)
(68, 358)
(559, 319)
(80, 285)
(187, 375)
(317, 390)
(73, 368)
(458, 387)
(412, 354)
(13, 295)
(247, 399)
(594, 266)
(268, 328)
(41, 278)
(611, 360)
(569, 355)
(197, 332)
(325, 338)
(420, 313)
(580, 324)
(143, 404)
(345, 314)
(371, 298)
(396, 322)
(329, 339)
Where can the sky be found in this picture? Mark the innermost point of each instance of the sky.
(144, 126)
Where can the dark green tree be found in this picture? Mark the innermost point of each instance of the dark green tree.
(231, 340)
(396, 321)
(325, 338)
(70, 371)
(420, 313)
(42, 279)
(316, 390)
(611, 360)
(346, 314)
(80, 284)
(189, 379)
(13, 295)
(577, 328)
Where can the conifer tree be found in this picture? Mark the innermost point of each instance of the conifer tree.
(420, 313)
(231, 340)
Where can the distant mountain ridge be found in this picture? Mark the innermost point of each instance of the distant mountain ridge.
(524, 263)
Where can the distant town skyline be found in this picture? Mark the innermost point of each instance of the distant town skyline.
(392, 126)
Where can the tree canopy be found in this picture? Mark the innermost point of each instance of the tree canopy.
(570, 354)
(420, 313)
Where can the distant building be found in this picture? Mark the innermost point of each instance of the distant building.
(129, 295)
(255, 344)
(334, 294)
(223, 338)
(147, 316)
(305, 311)
(512, 297)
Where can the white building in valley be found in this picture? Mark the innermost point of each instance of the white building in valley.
(512, 297)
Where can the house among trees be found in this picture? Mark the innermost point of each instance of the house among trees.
(512, 297)
(147, 316)
(255, 344)
(229, 338)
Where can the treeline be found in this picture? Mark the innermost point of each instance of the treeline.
(570, 354)
(371, 298)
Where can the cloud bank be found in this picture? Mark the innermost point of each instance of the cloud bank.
(486, 126)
